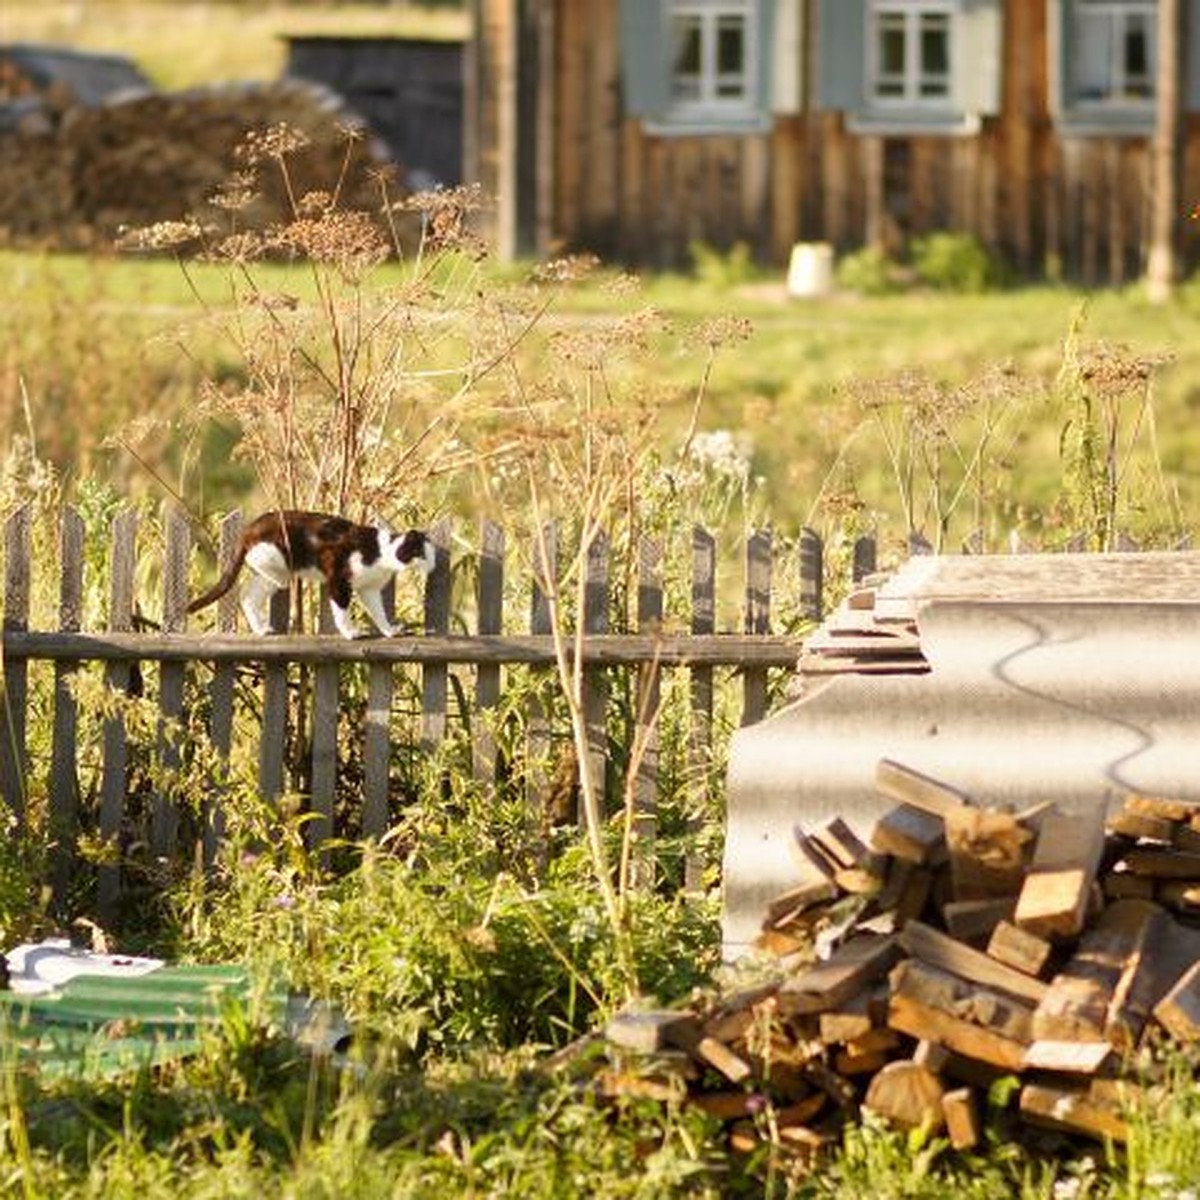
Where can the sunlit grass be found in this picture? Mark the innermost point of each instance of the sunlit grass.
(182, 44)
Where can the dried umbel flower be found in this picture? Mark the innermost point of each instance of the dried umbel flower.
(237, 248)
(274, 143)
(1114, 370)
(572, 269)
(349, 241)
(722, 331)
(236, 192)
(163, 235)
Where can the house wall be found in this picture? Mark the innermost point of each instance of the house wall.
(1075, 207)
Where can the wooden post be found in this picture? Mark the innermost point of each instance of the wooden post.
(595, 683)
(864, 558)
(18, 536)
(64, 781)
(435, 677)
(704, 622)
(116, 747)
(1166, 151)
(487, 676)
(649, 700)
(538, 732)
(221, 690)
(324, 738)
(377, 739)
(758, 620)
(273, 747)
(811, 574)
(164, 819)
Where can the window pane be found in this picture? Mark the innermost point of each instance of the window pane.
(731, 56)
(687, 62)
(935, 55)
(1139, 53)
(890, 78)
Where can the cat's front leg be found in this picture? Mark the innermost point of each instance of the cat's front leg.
(343, 621)
(372, 599)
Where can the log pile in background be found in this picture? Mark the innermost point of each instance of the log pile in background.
(958, 946)
(76, 181)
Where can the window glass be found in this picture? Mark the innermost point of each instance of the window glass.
(711, 69)
(912, 50)
(1113, 51)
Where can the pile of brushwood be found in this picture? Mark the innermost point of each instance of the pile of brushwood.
(963, 967)
(80, 175)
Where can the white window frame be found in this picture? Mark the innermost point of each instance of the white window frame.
(911, 12)
(710, 106)
(1087, 17)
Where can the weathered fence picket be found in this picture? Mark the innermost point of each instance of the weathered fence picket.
(304, 679)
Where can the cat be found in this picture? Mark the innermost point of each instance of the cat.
(349, 559)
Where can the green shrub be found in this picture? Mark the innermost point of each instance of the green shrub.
(868, 272)
(721, 270)
(954, 262)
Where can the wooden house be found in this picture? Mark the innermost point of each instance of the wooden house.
(634, 127)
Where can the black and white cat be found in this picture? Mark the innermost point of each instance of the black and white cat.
(349, 559)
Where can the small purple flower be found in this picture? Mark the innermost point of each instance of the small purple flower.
(285, 900)
(756, 1103)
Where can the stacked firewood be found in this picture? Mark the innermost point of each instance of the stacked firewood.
(957, 946)
(79, 177)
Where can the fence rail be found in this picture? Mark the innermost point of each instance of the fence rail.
(282, 708)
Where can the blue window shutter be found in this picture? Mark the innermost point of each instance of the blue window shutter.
(980, 49)
(783, 49)
(645, 58)
(841, 61)
(1191, 59)
(765, 43)
(1058, 13)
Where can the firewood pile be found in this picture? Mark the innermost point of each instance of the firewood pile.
(958, 946)
(73, 180)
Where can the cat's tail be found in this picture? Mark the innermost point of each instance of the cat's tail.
(223, 584)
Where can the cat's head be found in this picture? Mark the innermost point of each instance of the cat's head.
(410, 549)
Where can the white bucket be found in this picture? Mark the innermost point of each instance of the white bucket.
(810, 270)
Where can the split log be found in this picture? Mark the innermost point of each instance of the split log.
(908, 1095)
(1057, 890)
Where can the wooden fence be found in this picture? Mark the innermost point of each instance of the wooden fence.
(126, 643)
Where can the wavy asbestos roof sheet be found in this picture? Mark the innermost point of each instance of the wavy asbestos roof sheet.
(1072, 678)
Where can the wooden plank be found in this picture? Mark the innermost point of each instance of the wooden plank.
(1178, 1012)
(700, 715)
(1001, 1012)
(323, 772)
(973, 920)
(1018, 948)
(826, 985)
(164, 813)
(1073, 1110)
(594, 686)
(1078, 1004)
(957, 958)
(18, 567)
(988, 852)
(912, 834)
(64, 778)
(908, 786)
(961, 1114)
(757, 621)
(602, 650)
(487, 675)
(864, 558)
(123, 564)
(649, 701)
(1164, 808)
(221, 690)
(1056, 891)
(1070, 1058)
(435, 677)
(1162, 863)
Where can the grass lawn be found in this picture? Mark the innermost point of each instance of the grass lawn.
(181, 45)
